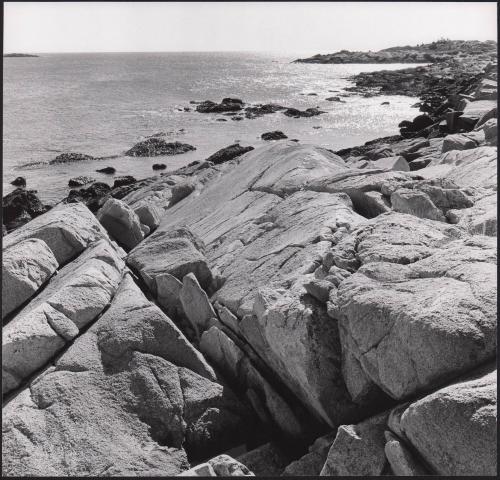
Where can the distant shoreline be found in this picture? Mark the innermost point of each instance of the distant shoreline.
(19, 55)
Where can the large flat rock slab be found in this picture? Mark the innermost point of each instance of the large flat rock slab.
(263, 228)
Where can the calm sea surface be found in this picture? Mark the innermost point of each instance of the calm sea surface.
(102, 104)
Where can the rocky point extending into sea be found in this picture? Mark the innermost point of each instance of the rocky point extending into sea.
(281, 310)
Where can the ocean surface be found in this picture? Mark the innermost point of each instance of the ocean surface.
(102, 104)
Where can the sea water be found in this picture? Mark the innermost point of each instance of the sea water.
(102, 104)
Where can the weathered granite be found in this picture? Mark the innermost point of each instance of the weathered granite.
(428, 291)
(66, 229)
(125, 399)
(26, 266)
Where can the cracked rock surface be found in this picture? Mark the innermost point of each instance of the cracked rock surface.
(122, 400)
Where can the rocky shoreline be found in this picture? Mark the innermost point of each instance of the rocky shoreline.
(436, 52)
(281, 310)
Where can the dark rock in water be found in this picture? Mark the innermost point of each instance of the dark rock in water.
(125, 180)
(295, 113)
(156, 135)
(124, 190)
(106, 170)
(317, 127)
(19, 182)
(159, 166)
(259, 110)
(421, 122)
(20, 206)
(227, 105)
(94, 196)
(237, 119)
(187, 109)
(276, 135)
(71, 157)
(385, 103)
(232, 100)
(194, 102)
(294, 140)
(79, 181)
(405, 124)
(153, 147)
(228, 153)
(334, 99)
(192, 164)
(221, 119)
(312, 94)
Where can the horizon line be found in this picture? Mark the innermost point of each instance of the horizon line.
(195, 51)
(151, 51)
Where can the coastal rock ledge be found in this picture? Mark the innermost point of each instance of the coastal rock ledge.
(283, 310)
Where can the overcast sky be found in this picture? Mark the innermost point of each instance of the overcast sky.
(298, 27)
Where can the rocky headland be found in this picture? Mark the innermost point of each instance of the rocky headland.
(438, 51)
(281, 310)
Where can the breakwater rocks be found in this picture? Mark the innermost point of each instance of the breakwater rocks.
(439, 51)
(326, 314)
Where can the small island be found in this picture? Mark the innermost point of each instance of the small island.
(18, 55)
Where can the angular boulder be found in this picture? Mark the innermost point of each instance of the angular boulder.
(458, 141)
(416, 203)
(358, 450)
(66, 229)
(148, 214)
(311, 463)
(26, 266)
(401, 460)
(267, 460)
(428, 292)
(182, 190)
(195, 303)
(391, 163)
(176, 252)
(455, 428)
(121, 222)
